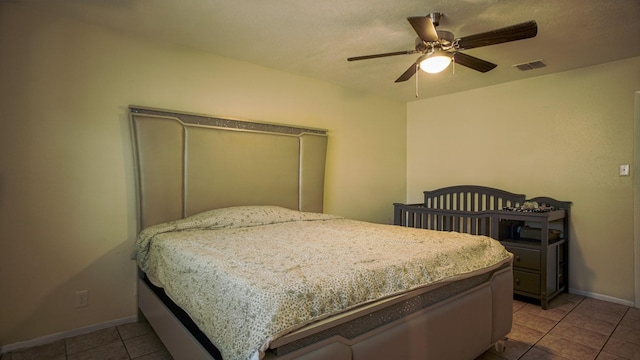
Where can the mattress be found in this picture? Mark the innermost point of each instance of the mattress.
(250, 275)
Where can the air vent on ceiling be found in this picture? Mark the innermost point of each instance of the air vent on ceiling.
(530, 65)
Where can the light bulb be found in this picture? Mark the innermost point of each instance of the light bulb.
(435, 63)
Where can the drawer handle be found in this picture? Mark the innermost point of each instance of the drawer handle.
(517, 281)
(517, 257)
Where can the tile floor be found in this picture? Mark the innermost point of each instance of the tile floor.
(129, 341)
(573, 328)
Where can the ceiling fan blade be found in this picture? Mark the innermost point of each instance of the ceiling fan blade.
(520, 31)
(473, 62)
(373, 56)
(408, 74)
(423, 26)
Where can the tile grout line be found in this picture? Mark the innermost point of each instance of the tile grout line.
(553, 327)
(123, 343)
(66, 349)
(614, 330)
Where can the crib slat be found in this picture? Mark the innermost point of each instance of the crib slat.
(464, 208)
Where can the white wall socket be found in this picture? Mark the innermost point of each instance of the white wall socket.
(624, 170)
(82, 298)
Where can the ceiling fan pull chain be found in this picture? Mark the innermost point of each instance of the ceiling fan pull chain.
(417, 76)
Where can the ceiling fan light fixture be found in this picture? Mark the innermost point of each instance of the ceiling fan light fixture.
(435, 62)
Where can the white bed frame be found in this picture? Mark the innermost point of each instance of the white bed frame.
(187, 163)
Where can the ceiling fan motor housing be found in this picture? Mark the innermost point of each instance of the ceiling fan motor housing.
(446, 37)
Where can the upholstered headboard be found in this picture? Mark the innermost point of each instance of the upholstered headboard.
(188, 163)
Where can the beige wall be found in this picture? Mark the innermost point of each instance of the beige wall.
(561, 136)
(67, 211)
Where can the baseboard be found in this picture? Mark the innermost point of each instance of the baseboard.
(66, 334)
(602, 297)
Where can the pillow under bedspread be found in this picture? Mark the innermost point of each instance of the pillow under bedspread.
(248, 284)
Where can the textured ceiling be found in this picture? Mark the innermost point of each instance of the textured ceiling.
(314, 38)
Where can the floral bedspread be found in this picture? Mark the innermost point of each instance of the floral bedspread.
(248, 275)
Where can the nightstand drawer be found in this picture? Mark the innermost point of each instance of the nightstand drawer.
(525, 258)
(527, 282)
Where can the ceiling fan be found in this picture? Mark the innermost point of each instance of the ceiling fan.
(439, 48)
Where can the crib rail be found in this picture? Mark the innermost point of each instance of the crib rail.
(461, 208)
(418, 216)
(471, 198)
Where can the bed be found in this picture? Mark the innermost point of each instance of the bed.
(234, 208)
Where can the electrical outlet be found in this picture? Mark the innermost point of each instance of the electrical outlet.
(82, 298)
(624, 170)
